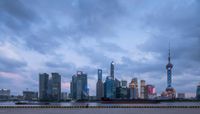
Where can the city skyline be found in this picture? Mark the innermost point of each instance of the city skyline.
(68, 36)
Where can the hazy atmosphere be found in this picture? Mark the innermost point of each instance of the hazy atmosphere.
(66, 36)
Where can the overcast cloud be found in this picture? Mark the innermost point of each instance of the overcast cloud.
(64, 36)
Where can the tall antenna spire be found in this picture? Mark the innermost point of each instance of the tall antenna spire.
(169, 56)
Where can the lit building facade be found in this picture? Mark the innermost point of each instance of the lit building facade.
(142, 89)
(150, 92)
(133, 86)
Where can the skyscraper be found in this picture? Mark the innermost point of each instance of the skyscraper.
(109, 88)
(112, 68)
(117, 83)
(122, 91)
(123, 83)
(198, 92)
(43, 86)
(79, 88)
(99, 85)
(142, 89)
(56, 86)
(150, 92)
(134, 89)
(49, 87)
(4, 94)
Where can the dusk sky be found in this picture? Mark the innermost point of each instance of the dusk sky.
(66, 36)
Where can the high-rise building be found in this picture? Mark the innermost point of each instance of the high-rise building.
(55, 86)
(150, 92)
(122, 91)
(198, 92)
(49, 87)
(170, 92)
(109, 88)
(112, 68)
(117, 83)
(124, 84)
(134, 89)
(43, 86)
(4, 94)
(142, 89)
(99, 85)
(79, 88)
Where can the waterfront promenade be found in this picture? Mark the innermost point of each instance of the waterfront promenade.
(99, 110)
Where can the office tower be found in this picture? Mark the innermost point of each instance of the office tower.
(99, 85)
(142, 89)
(4, 94)
(43, 86)
(109, 88)
(133, 89)
(122, 90)
(124, 84)
(112, 68)
(55, 86)
(198, 92)
(150, 92)
(79, 89)
(117, 83)
(30, 95)
(170, 92)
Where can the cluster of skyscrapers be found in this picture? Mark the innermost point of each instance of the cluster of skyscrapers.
(50, 87)
(112, 88)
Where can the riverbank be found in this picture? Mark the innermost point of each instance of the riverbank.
(86, 106)
(99, 111)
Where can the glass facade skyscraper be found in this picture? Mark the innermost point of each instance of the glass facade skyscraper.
(109, 88)
(55, 87)
(43, 86)
(79, 88)
(198, 92)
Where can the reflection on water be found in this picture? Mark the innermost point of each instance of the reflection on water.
(103, 104)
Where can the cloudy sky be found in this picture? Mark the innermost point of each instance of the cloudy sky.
(64, 36)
